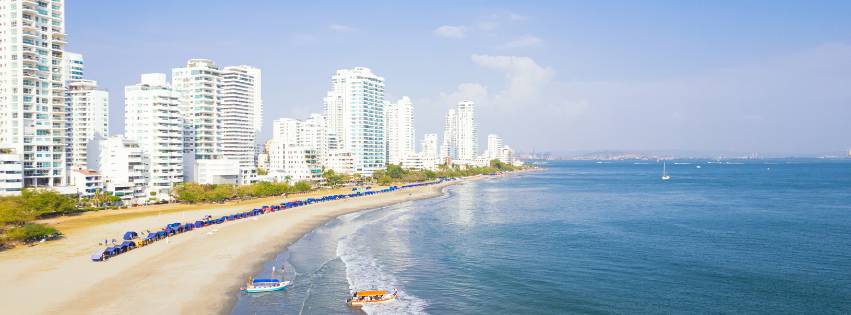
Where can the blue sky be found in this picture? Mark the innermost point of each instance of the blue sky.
(746, 76)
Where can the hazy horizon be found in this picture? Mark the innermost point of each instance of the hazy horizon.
(766, 77)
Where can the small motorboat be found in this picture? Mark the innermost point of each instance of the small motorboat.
(265, 285)
(361, 298)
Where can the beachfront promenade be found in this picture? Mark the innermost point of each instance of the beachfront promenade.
(195, 272)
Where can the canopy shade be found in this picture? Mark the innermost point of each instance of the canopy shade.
(130, 235)
(371, 293)
(265, 280)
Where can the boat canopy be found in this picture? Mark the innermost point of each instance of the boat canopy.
(266, 280)
(371, 293)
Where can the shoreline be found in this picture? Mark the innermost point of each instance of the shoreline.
(196, 272)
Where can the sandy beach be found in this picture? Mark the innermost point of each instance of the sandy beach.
(192, 273)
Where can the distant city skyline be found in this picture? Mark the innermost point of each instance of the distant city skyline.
(755, 77)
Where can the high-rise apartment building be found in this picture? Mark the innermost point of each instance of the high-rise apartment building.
(400, 130)
(449, 147)
(73, 68)
(199, 86)
(467, 143)
(429, 145)
(32, 100)
(354, 117)
(153, 119)
(495, 147)
(89, 121)
(460, 134)
(240, 106)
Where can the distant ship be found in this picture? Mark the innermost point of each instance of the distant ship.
(665, 175)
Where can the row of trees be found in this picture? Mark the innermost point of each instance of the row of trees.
(397, 174)
(18, 212)
(192, 193)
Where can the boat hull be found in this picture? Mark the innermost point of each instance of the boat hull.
(282, 286)
(362, 303)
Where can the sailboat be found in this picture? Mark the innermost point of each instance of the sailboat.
(665, 175)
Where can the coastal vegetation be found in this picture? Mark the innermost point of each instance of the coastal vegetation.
(397, 174)
(192, 193)
(18, 212)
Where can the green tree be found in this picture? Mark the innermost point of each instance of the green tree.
(40, 202)
(31, 232)
(332, 178)
(302, 186)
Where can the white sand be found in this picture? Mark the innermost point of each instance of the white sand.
(198, 272)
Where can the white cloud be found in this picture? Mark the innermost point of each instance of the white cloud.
(341, 28)
(523, 42)
(466, 92)
(525, 78)
(450, 31)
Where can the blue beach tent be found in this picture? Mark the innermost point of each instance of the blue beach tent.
(127, 245)
(130, 235)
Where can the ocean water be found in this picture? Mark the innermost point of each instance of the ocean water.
(769, 237)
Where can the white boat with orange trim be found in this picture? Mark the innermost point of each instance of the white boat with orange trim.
(361, 298)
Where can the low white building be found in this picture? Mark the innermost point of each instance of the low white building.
(296, 164)
(87, 182)
(341, 161)
(420, 161)
(218, 171)
(11, 173)
(123, 169)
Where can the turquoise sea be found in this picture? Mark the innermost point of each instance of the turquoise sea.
(764, 236)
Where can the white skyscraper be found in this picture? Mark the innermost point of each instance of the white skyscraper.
(199, 87)
(449, 147)
(32, 100)
(495, 146)
(468, 145)
(429, 145)
(400, 130)
(89, 112)
(460, 135)
(73, 68)
(152, 118)
(240, 103)
(354, 116)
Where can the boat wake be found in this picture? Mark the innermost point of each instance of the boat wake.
(363, 272)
